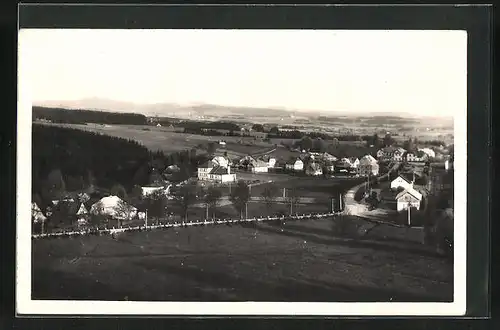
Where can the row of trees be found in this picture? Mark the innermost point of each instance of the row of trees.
(66, 116)
(211, 197)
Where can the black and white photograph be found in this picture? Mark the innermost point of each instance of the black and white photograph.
(236, 172)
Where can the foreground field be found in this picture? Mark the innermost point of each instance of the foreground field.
(299, 261)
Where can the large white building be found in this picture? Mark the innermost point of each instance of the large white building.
(215, 173)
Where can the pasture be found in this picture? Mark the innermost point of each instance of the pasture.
(296, 261)
(164, 139)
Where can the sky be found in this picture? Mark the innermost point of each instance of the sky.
(422, 72)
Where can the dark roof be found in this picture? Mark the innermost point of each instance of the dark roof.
(219, 170)
(207, 164)
(70, 208)
(408, 177)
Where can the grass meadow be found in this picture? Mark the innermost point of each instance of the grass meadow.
(297, 261)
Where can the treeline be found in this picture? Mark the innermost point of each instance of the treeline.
(216, 125)
(76, 159)
(69, 160)
(76, 116)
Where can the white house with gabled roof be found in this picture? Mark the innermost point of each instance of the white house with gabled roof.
(408, 198)
(402, 181)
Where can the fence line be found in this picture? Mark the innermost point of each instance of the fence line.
(182, 224)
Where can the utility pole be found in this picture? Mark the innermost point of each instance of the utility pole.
(340, 201)
(409, 216)
(206, 216)
(146, 218)
(246, 210)
(333, 209)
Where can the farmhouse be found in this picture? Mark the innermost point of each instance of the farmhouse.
(418, 157)
(402, 181)
(314, 169)
(408, 198)
(429, 152)
(147, 191)
(221, 161)
(354, 162)
(270, 160)
(258, 166)
(82, 214)
(368, 166)
(295, 164)
(114, 207)
(215, 173)
(391, 153)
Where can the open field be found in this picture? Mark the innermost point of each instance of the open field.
(263, 262)
(160, 138)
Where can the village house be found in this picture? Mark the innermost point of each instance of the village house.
(213, 172)
(329, 167)
(258, 166)
(149, 190)
(418, 157)
(221, 161)
(270, 160)
(295, 164)
(402, 181)
(408, 198)
(391, 154)
(429, 152)
(368, 166)
(113, 207)
(354, 162)
(314, 169)
(82, 215)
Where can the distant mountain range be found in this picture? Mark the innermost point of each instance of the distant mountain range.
(212, 110)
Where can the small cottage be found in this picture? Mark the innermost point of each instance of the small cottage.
(408, 198)
(314, 169)
(368, 166)
(295, 164)
(402, 181)
(258, 166)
